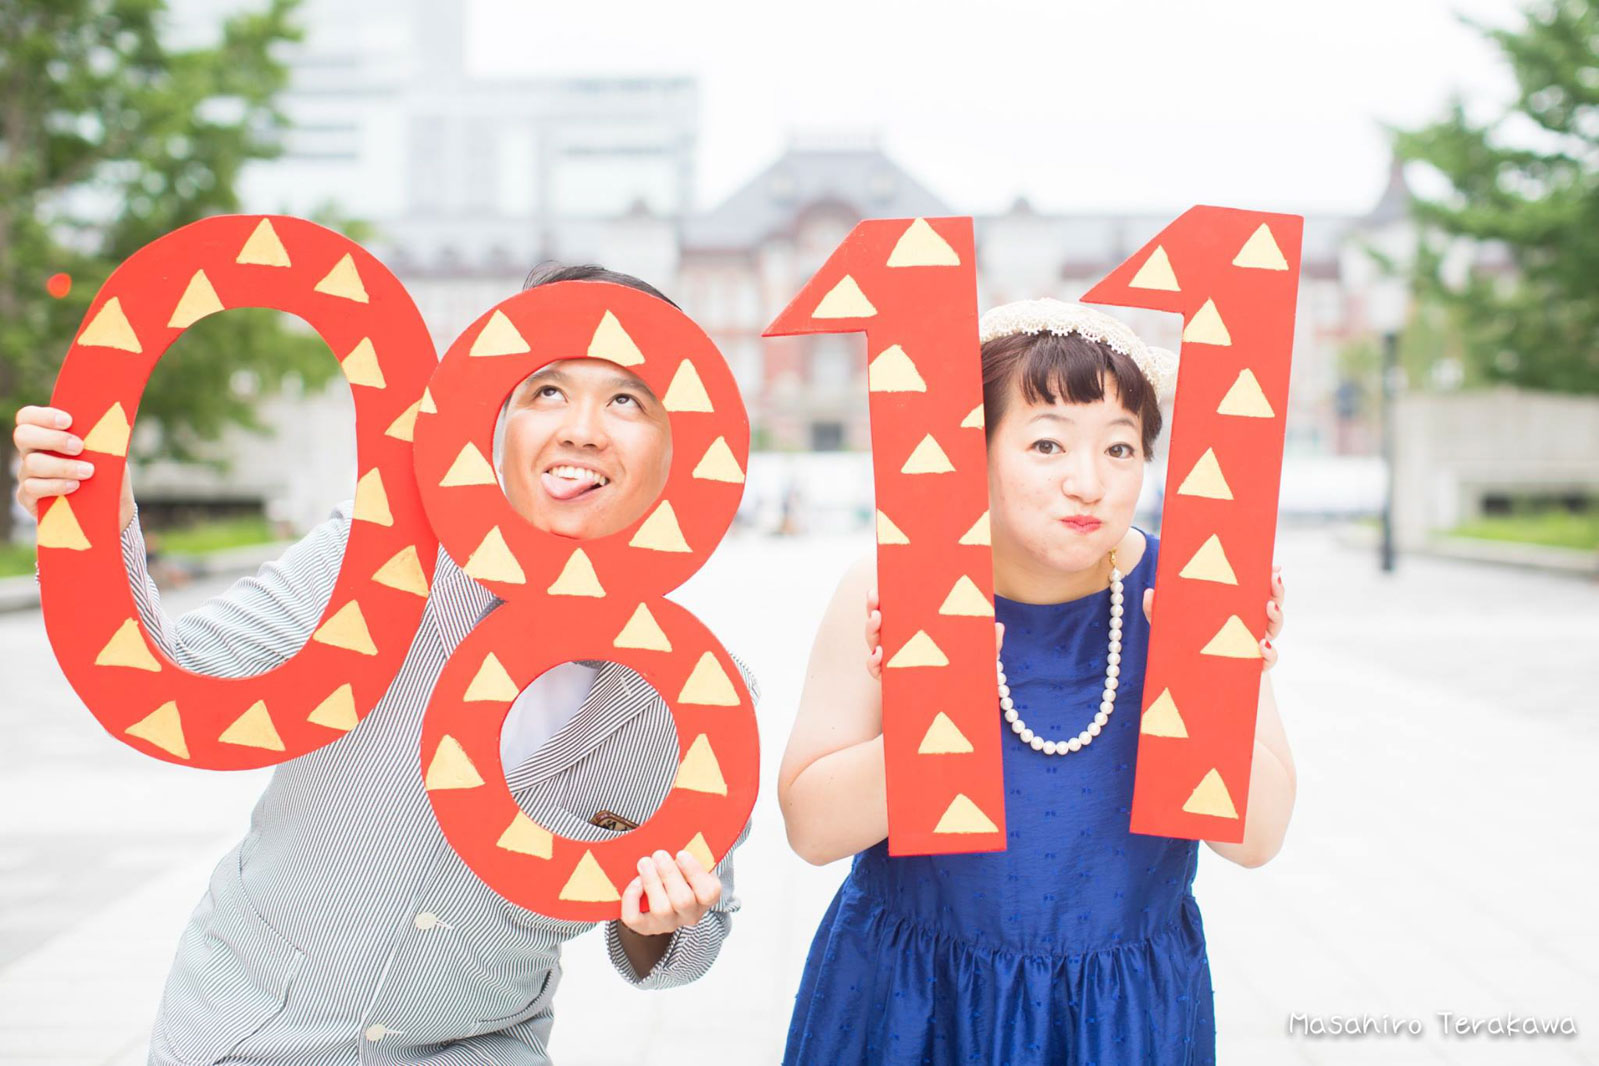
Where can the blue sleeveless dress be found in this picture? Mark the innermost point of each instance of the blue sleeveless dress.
(1079, 944)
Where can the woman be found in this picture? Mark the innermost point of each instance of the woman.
(1081, 942)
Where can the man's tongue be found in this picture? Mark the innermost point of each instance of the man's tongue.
(565, 488)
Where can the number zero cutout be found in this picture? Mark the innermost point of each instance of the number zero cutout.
(370, 322)
(597, 599)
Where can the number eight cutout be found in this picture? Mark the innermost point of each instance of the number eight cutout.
(597, 599)
(911, 286)
(1234, 277)
(369, 320)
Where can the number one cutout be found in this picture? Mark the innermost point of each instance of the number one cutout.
(911, 286)
(1234, 277)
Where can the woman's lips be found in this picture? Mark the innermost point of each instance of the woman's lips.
(1081, 525)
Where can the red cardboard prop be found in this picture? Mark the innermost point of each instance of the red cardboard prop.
(911, 287)
(367, 318)
(1234, 277)
(596, 599)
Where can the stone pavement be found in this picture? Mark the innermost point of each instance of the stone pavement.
(1445, 723)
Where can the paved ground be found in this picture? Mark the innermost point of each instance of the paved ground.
(1445, 722)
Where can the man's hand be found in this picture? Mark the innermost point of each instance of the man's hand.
(678, 892)
(40, 431)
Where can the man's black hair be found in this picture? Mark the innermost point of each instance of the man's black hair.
(550, 271)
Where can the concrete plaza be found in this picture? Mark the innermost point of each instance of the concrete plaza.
(1445, 722)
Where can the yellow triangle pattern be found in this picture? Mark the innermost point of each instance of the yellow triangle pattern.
(493, 561)
(127, 648)
(263, 248)
(1210, 797)
(404, 572)
(577, 578)
(708, 685)
(699, 771)
(964, 816)
(344, 281)
(337, 711)
(1206, 327)
(163, 727)
(347, 629)
(845, 300)
(611, 341)
(1206, 479)
(1210, 564)
(371, 502)
(361, 366)
(1246, 399)
(451, 768)
(254, 729)
(893, 371)
(687, 391)
(469, 468)
(967, 599)
(199, 299)
(701, 851)
(526, 837)
(642, 631)
(59, 528)
(588, 883)
(660, 532)
(718, 464)
(920, 650)
(499, 337)
(1162, 719)
(110, 435)
(921, 246)
(110, 329)
(943, 737)
(974, 419)
(1156, 273)
(426, 406)
(492, 684)
(888, 532)
(978, 534)
(1233, 641)
(404, 427)
(927, 458)
(1261, 251)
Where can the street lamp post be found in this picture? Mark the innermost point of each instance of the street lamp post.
(1387, 309)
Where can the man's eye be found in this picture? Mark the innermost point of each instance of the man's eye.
(547, 392)
(624, 399)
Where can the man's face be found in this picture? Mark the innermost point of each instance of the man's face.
(587, 448)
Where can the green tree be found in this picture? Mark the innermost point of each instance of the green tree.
(110, 138)
(1527, 182)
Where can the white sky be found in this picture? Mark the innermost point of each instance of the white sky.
(1270, 104)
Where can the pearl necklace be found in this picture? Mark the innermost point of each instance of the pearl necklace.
(1113, 658)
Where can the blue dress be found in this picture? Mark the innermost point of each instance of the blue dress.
(1079, 944)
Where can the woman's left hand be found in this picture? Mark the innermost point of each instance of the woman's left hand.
(1274, 615)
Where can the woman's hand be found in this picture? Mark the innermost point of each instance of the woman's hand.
(41, 475)
(1274, 615)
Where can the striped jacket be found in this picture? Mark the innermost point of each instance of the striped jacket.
(343, 928)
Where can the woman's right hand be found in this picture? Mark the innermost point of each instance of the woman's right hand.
(874, 636)
(40, 431)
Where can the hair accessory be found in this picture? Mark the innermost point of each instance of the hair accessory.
(1159, 366)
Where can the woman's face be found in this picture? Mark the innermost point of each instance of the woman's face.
(1063, 481)
(587, 448)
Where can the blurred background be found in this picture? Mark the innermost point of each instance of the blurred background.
(1440, 499)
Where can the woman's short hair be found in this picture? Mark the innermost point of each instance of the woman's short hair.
(1049, 366)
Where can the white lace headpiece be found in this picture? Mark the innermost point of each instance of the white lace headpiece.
(1061, 318)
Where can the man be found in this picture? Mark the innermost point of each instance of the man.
(344, 928)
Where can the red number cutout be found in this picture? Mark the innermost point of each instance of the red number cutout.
(1234, 277)
(598, 599)
(911, 287)
(364, 314)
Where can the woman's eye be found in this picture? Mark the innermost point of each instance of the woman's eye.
(1046, 447)
(1122, 451)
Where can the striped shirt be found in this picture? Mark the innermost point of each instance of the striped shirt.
(343, 928)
